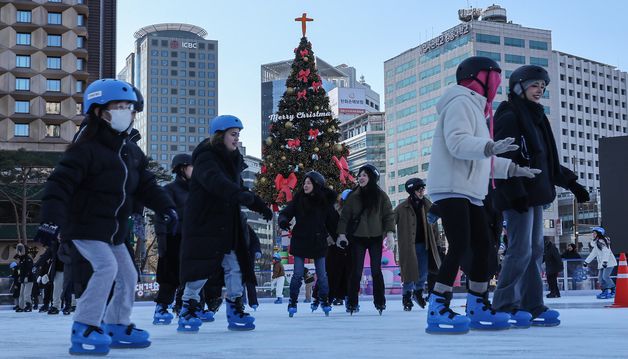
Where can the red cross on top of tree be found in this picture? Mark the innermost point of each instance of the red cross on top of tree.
(303, 19)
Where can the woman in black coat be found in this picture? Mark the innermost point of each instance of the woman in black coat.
(213, 237)
(553, 266)
(316, 219)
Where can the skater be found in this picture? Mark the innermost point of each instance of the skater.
(25, 278)
(315, 219)
(522, 117)
(168, 243)
(573, 259)
(54, 275)
(278, 278)
(605, 262)
(213, 247)
(338, 263)
(308, 279)
(15, 285)
(553, 266)
(366, 219)
(88, 199)
(255, 254)
(416, 242)
(463, 162)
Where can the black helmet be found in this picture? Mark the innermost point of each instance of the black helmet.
(526, 73)
(372, 169)
(182, 159)
(413, 184)
(139, 104)
(316, 178)
(470, 67)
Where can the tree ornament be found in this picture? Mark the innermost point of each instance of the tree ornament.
(316, 108)
(283, 158)
(326, 144)
(313, 134)
(302, 95)
(338, 147)
(269, 141)
(263, 170)
(290, 90)
(314, 157)
(288, 124)
(305, 59)
(330, 129)
(316, 149)
(303, 75)
(301, 165)
(262, 179)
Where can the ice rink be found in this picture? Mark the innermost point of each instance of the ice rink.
(588, 330)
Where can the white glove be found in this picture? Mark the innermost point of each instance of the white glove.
(342, 241)
(330, 241)
(38, 280)
(516, 171)
(501, 146)
(44, 279)
(390, 241)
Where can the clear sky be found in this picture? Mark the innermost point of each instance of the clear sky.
(362, 34)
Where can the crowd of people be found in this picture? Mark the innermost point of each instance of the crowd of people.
(484, 170)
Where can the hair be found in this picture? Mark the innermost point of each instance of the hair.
(599, 239)
(217, 139)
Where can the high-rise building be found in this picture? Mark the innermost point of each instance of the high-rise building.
(50, 52)
(366, 138)
(584, 101)
(176, 69)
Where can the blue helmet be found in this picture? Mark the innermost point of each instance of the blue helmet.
(12, 265)
(225, 122)
(103, 91)
(277, 256)
(345, 194)
(599, 230)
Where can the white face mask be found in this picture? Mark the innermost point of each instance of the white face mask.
(121, 120)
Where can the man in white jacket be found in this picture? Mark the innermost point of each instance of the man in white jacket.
(462, 163)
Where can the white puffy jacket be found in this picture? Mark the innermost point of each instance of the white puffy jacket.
(604, 255)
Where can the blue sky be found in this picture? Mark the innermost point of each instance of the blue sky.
(362, 34)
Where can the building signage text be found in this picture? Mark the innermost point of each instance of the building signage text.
(298, 115)
(445, 37)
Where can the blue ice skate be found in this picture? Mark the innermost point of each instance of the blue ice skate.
(292, 307)
(89, 340)
(605, 294)
(189, 322)
(315, 304)
(611, 294)
(162, 316)
(254, 307)
(482, 315)
(236, 316)
(126, 336)
(278, 301)
(520, 319)
(206, 316)
(441, 319)
(547, 318)
(352, 308)
(325, 306)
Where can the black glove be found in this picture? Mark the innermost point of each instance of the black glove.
(604, 265)
(581, 193)
(47, 233)
(246, 198)
(520, 204)
(585, 264)
(283, 224)
(267, 214)
(172, 220)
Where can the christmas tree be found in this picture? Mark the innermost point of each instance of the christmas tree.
(303, 134)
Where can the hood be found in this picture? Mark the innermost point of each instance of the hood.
(457, 91)
(206, 146)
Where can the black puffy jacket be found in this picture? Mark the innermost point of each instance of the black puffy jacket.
(91, 191)
(178, 191)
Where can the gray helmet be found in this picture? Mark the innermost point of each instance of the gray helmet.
(316, 178)
(182, 159)
(370, 169)
(527, 73)
(413, 184)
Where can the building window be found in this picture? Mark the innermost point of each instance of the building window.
(539, 61)
(22, 61)
(54, 18)
(491, 55)
(515, 59)
(538, 45)
(53, 131)
(54, 63)
(22, 38)
(79, 86)
(21, 130)
(53, 85)
(22, 106)
(53, 108)
(22, 84)
(23, 16)
(489, 39)
(80, 42)
(54, 40)
(80, 64)
(514, 42)
(80, 20)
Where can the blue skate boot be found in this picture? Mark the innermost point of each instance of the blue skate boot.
(520, 319)
(278, 301)
(162, 316)
(189, 322)
(441, 319)
(236, 316)
(315, 304)
(326, 306)
(482, 315)
(546, 318)
(352, 307)
(126, 336)
(603, 295)
(611, 294)
(89, 340)
(292, 307)
(206, 316)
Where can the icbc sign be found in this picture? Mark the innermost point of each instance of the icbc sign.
(190, 45)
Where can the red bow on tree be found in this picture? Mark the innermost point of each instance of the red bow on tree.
(304, 52)
(285, 187)
(343, 166)
(303, 75)
(263, 169)
(294, 144)
(302, 95)
(316, 85)
(313, 133)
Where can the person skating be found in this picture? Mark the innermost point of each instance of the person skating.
(168, 243)
(278, 278)
(573, 259)
(54, 275)
(520, 286)
(88, 199)
(606, 261)
(462, 164)
(26, 277)
(315, 219)
(366, 219)
(213, 247)
(338, 262)
(416, 242)
(553, 266)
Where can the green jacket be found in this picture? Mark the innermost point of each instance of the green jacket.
(376, 222)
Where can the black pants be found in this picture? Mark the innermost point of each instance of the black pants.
(47, 288)
(359, 246)
(467, 232)
(552, 283)
(338, 265)
(168, 271)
